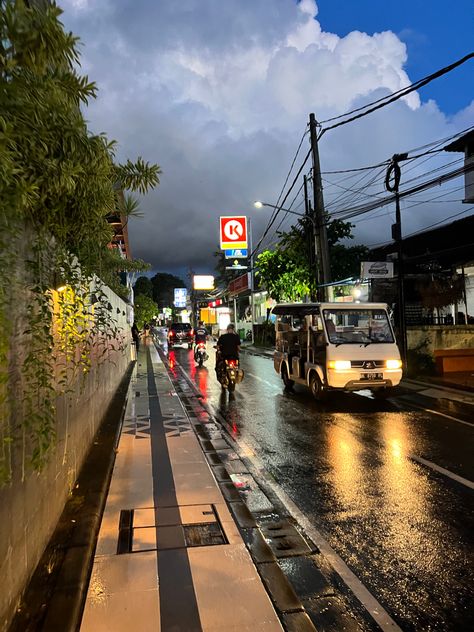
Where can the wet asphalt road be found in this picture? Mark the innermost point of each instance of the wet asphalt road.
(349, 465)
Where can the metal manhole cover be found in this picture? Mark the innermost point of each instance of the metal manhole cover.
(204, 534)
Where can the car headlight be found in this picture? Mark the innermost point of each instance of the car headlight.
(339, 365)
(393, 364)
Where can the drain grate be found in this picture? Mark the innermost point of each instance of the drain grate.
(204, 534)
(124, 543)
(175, 527)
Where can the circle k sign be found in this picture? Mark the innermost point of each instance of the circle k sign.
(233, 232)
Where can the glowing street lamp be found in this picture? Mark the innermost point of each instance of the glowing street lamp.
(259, 204)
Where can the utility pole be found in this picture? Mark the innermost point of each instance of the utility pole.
(394, 169)
(312, 245)
(319, 224)
(252, 306)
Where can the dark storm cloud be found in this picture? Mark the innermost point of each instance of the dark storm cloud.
(218, 93)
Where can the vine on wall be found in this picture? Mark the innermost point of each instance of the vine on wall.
(60, 183)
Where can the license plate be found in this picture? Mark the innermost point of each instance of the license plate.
(371, 376)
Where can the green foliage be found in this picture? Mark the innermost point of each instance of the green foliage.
(283, 277)
(145, 310)
(345, 260)
(163, 288)
(143, 286)
(62, 182)
(57, 174)
(288, 272)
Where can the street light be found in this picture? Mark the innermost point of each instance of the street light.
(259, 204)
(302, 216)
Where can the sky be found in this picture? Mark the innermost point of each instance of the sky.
(218, 93)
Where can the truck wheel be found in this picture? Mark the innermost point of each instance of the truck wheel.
(316, 387)
(285, 377)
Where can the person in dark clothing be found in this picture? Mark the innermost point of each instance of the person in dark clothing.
(200, 335)
(136, 335)
(228, 345)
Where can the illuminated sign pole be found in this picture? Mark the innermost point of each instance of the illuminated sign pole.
(252, 310)
(233, 237)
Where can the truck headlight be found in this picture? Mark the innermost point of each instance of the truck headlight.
(393, 364)
(339, 365)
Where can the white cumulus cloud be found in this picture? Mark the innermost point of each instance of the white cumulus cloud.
(218, 93)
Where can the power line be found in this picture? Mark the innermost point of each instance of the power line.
(275, 215)
(433, 200)
(359, 210)
(271, 219)
(395, 96)
(422, 230)
(326, 173)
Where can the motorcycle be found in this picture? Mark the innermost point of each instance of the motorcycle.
(229, 373)
(200, 354)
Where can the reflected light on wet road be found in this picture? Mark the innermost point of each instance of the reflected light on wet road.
(410, 527)
(172, 359)
(345, 459)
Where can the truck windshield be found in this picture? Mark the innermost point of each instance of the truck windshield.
(357, 326)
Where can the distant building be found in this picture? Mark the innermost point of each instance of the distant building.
(465, 144)
(440, 254)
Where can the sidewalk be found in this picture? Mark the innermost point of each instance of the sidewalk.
(169, 554)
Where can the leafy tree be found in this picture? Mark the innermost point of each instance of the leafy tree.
(55, 173)
(145, 310)
(163, 288)
(288, 272)
(143, 286)
(59, 183)
(282, 276)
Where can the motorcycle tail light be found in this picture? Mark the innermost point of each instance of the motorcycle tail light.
(232, 363)
(171, 334)
(192, 332)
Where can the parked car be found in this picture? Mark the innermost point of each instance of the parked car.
(180, 334)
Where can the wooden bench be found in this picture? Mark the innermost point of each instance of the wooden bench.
(454, 360)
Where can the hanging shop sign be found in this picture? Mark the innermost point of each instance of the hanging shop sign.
(180, 294)
(233, 232)
(242, 253)
(376, 270)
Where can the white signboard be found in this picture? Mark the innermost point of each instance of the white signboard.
(376, 270)
(203, 282)
(180, 297)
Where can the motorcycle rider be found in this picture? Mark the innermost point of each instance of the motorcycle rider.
(200, 335)
(228, 346)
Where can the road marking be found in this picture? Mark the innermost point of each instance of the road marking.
(442, 470)
(437, 412)
(370, 603)
(260, 379)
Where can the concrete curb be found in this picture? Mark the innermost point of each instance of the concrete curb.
(445, 386)
(55, 596)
